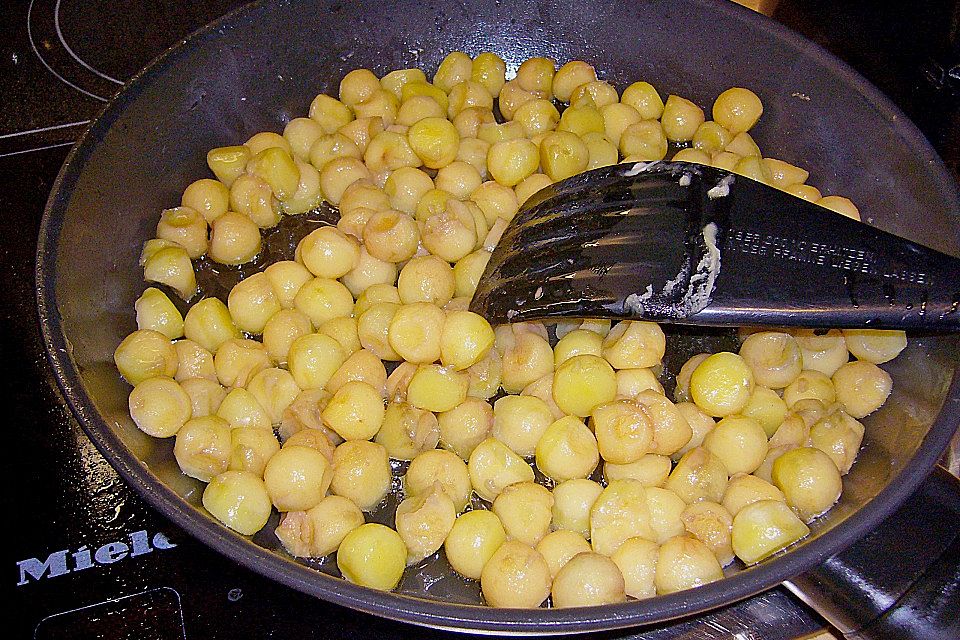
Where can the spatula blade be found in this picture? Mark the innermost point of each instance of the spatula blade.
(679, 242)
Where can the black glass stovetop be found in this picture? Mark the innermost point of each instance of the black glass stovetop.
(86, 557)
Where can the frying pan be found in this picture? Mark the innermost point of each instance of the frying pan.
(261, 65)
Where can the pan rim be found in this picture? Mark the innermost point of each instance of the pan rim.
(423, 611)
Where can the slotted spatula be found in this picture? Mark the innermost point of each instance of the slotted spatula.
(686, 243)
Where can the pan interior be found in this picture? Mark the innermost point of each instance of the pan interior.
(262, 67)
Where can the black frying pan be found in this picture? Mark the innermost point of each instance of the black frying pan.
(261, 66)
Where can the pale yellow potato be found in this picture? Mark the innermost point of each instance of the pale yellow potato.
(624, 431)
(744, 489)
(264, 140)
(873, 345)
(318, 532)
(227, 163)
(357, 86)
(355, 411)
(682, 390)
(588, 579)
(168, 263)
(415, 332)
(450, 234)
(711, 524)
(466, 94)
(634, 344)
(805, 191)
(205, 395)
(637, 561)
(313, 359)
(841, 205)
(360, 132)
(368, 272)
(423, 522)
(473, 539)
(767, 408)
(810, 384)
(823, 353)
(322, 299)
(692, 155)
(742, 146)
(671, 431)
(285, 278)
(563, 154)
(252, 302)
(437, 388)
(329, 253)
(766, 468)
(739, 442)
(242, 409)
(238, 360)
(465, 426)
(361, 472)
(329, 113)
(443, 468)
(417, 107)
(373, 329)
(277, 169)
(643, 97)
(513, 96)
(570, 76)
(516, 576)
(210, 197)
(698, 475)
(185, 226)
(559, 547)
(809, 480)
(381, 104)
(862, 387)
(202, 447)
(275, 390)
(665, 508)
(774, 358)
(630, 382)
(407, 431)
(651, 470)
(239, 500)
(681, 118)
(700, 425)
(373, 294)
(511, 161)
(754, 168)
(526, 510)
(251, 449)
(159, 406)
(144, 354)
(281, 330)
(426, 279)
(583, 382)
(839, 436)
(520, 421)
(643, 141)
(193, 361)
(493, 466)
(297, 478)
(711, 137)
(620, 513)
(531, 185)
(684, 562)
(721, 385)
(372, 555)
(253, 197)
(465, 340)
(344, 330)
(763, 528)
(526, 358)
(737, 109)
(572, 502)
(304, 413)
(567, 449)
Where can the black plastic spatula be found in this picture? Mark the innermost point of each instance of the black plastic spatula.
(686, 243)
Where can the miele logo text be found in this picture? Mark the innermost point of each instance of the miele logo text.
(65, 561)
